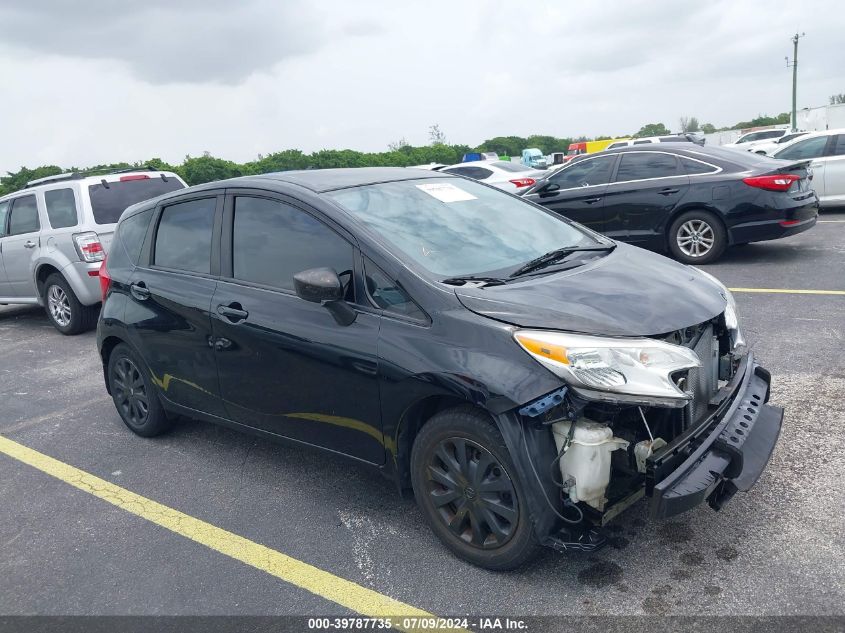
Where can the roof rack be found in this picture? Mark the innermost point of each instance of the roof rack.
(78, 175)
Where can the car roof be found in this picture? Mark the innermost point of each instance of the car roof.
(840, 130)
(315, 180)
(688, 150)
(322, 180)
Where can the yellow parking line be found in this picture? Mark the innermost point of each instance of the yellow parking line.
(351, 595)
(787, 291)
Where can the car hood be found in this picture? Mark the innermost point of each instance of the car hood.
(629, 292)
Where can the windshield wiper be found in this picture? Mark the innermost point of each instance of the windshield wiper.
(457, 281)
(555, 256)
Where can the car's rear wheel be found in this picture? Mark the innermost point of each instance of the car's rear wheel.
(134, 394)
(468, 489)
(64, 310)
(697, 237)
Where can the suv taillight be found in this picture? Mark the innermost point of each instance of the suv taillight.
(88, 247)
(105, 279)
(523, 182)
(773, 182)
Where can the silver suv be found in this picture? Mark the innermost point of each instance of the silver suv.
(55, 233)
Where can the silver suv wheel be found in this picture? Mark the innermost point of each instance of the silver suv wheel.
(59, 306)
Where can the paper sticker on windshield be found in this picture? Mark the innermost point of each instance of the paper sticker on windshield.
(446, 192)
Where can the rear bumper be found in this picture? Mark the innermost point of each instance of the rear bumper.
(724, 454)
(85, 281)
(771, 229)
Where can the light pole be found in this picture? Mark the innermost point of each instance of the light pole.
(794, 65)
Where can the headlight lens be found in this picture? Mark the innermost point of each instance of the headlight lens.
(632, 371)
(731, 316)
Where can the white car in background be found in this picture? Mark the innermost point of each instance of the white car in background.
(750, 140)
(827, 151)
(770, 147)
(505, 175)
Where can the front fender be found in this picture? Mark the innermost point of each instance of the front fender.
(532, 449)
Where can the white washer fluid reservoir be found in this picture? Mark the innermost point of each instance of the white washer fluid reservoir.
(587, 460)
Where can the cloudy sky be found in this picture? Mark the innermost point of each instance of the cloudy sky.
(108, 80)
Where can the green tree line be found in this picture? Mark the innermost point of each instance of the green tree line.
(206, 168)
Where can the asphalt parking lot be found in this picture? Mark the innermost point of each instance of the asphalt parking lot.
(778, 550)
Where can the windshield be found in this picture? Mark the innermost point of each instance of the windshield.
(454, 227)
(109, 200)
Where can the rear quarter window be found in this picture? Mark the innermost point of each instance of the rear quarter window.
(693, 167)
(110, 199)
(131, 234)
(61, 208)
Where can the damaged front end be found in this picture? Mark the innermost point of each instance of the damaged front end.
(680, 418)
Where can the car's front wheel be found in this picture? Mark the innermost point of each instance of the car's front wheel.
(64, 310)
(134, 395)
(468, 489)
(697, 237)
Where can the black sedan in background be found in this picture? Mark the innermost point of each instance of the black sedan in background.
(692, 201)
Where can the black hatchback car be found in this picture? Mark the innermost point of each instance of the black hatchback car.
(691, 201)
(527, 378)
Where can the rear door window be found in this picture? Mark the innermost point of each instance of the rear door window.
(808, 148)
(24, 216)
(586, 173)
(646, 165)
(110, 199)
(272, 241)
(61, 208)
(183, 240)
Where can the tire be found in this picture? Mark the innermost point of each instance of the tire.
(64, 310)
(697, 237)
(490, 529)
(134, 395)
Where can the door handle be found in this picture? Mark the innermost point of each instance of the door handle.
(592, 200)
(140, 291)
(233, 312)
(29, 244)
(668, 191)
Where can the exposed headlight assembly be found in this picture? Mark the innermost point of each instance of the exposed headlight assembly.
(731, 317)
(621, 370)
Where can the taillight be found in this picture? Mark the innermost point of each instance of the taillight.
(105, 279)
(89, 247)
(774, 182)
(523, 182)
(134, 177)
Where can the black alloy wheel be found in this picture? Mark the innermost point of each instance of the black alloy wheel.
(473, 493)
(130, 393)
(134, 394)
(470, 492)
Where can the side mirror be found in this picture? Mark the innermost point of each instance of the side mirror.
(322, 285)
(317, 285)
(549, 187)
